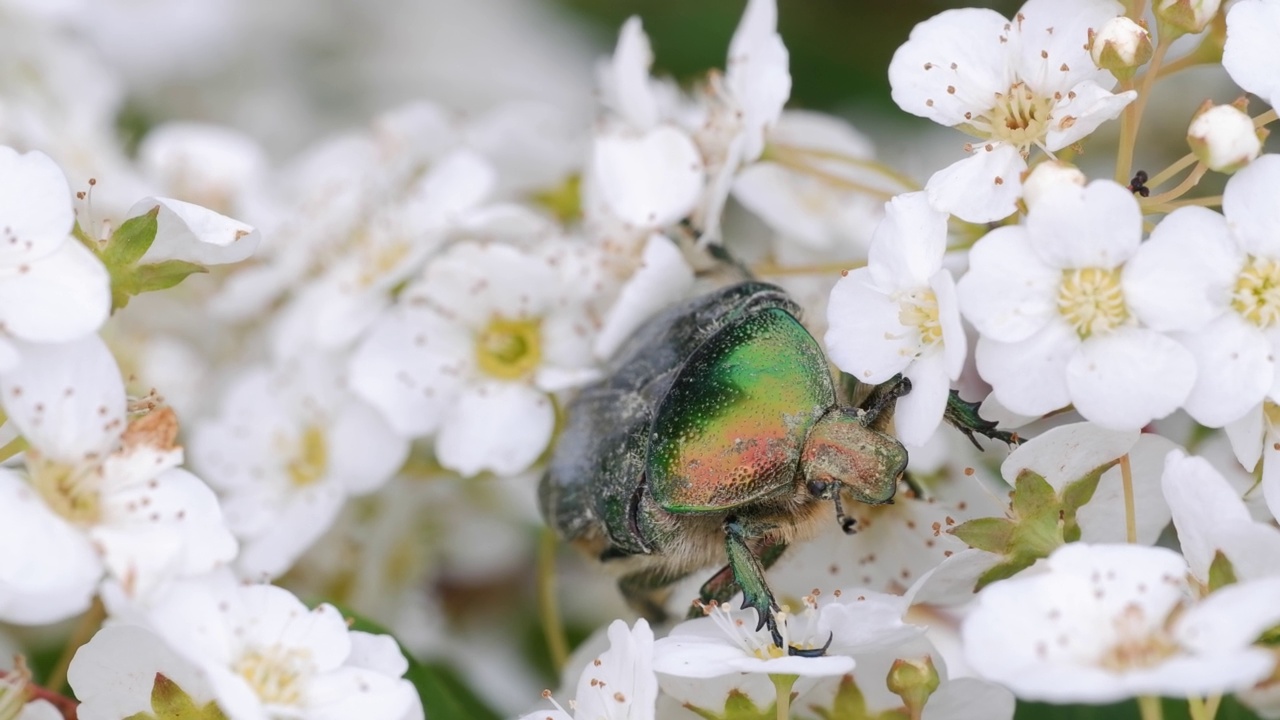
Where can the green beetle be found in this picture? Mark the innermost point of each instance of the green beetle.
(716, 439)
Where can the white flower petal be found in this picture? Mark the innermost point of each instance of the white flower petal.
(1238, 370)
(1099, 225)
(625, 78)
(907, 246)
(1245, 436)
(35, 202)
(663, 276)
(1182, 277)
(1251, 55)
(1231, 617)
(67, 399)
(1247, 201)
(363, 450)
(1084, 108)
(471, 283)
(1067, 453)
(919, 413)
(921, 70)
(55, 574)
(496, 426)
(456, 184)
(757, 74)
(64, 295)
(969, 699)
(1051, 39)
(113, 674)
(1029, 377)
(865, 336)
(648, 181)
(983, 187)
(1129, 377)
(292, 526)
(955, 344)
(1102, 519)
(350, 692)
(195, 234)
(1009, 293)
(407, 368)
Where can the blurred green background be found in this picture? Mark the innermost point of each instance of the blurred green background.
(840, 49)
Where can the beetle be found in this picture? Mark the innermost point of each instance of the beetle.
(716, 438)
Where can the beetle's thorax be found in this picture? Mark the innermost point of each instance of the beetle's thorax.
(841, 449)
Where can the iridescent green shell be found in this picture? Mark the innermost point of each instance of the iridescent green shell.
(730, 429)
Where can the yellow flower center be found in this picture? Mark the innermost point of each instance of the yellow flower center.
(1256, 295)
(1092, 301)
(919, 309)
(509, 349)
(311, 460)
(381, 260)
(71, 492)
(1138, 646)
(275, 674)
(1019, 117)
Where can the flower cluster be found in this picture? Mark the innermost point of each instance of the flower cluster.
(232, 383)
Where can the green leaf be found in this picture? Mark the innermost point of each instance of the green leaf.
(170, 702)
(737, 706)
(164, 275)
(1005, 570)
(1033, 496)
(1075, 495)
(131, 240)
(1221, 572)
(993, 534)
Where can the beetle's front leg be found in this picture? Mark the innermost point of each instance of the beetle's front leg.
(749, 574)
(877, 408)
(723, 585)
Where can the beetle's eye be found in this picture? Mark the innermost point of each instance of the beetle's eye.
(818, 488)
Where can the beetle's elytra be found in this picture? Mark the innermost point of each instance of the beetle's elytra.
(715, 439)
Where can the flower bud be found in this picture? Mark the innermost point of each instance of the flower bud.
(1121, 46)
(914, 681)
(1223, 137)
(1046, 177)
(1186, 16)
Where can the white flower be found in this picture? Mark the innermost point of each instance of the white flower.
(99, 494)
(1251, 54)
(1223, 138)
(663, 277)
(114, 675)
(726, 641)
(287, 449)
(1212, 279)
(1105, 622)
(1052, 303)
(195, 234)
(52, 288)
(1211, 518)
(1256, 435)
(210, 165)
(1014, 84)
(470, 352)
(899, 315)
(619, 684)
(256, 650)
(1120, 45)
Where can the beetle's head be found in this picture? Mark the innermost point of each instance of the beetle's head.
(841, 454)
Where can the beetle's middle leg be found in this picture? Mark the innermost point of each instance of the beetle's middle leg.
(877, 408)
(646, 591)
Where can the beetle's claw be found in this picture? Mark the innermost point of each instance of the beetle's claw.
(810, 652)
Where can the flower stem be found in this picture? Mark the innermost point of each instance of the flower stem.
(874, 166)
(1149, 706)
(768, 268)
(1190, 181)
(1265, 118)
(1130, 514)
(1167, 174)
(1210, 201)
(782, 685)
(1195, 707)
(1211, 704)
(829, 178)
(548, 607)
(1131, 119)
(85, 629)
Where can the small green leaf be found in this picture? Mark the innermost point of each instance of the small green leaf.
(131, 240)
(1033, 496)
(737, 706)
(992, 534)
(1005, 570)
(1221, 572)
(170, 702)
(1075, 495)
(848, 704)
(164, 275)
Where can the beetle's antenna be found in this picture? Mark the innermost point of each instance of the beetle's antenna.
(846, 522)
